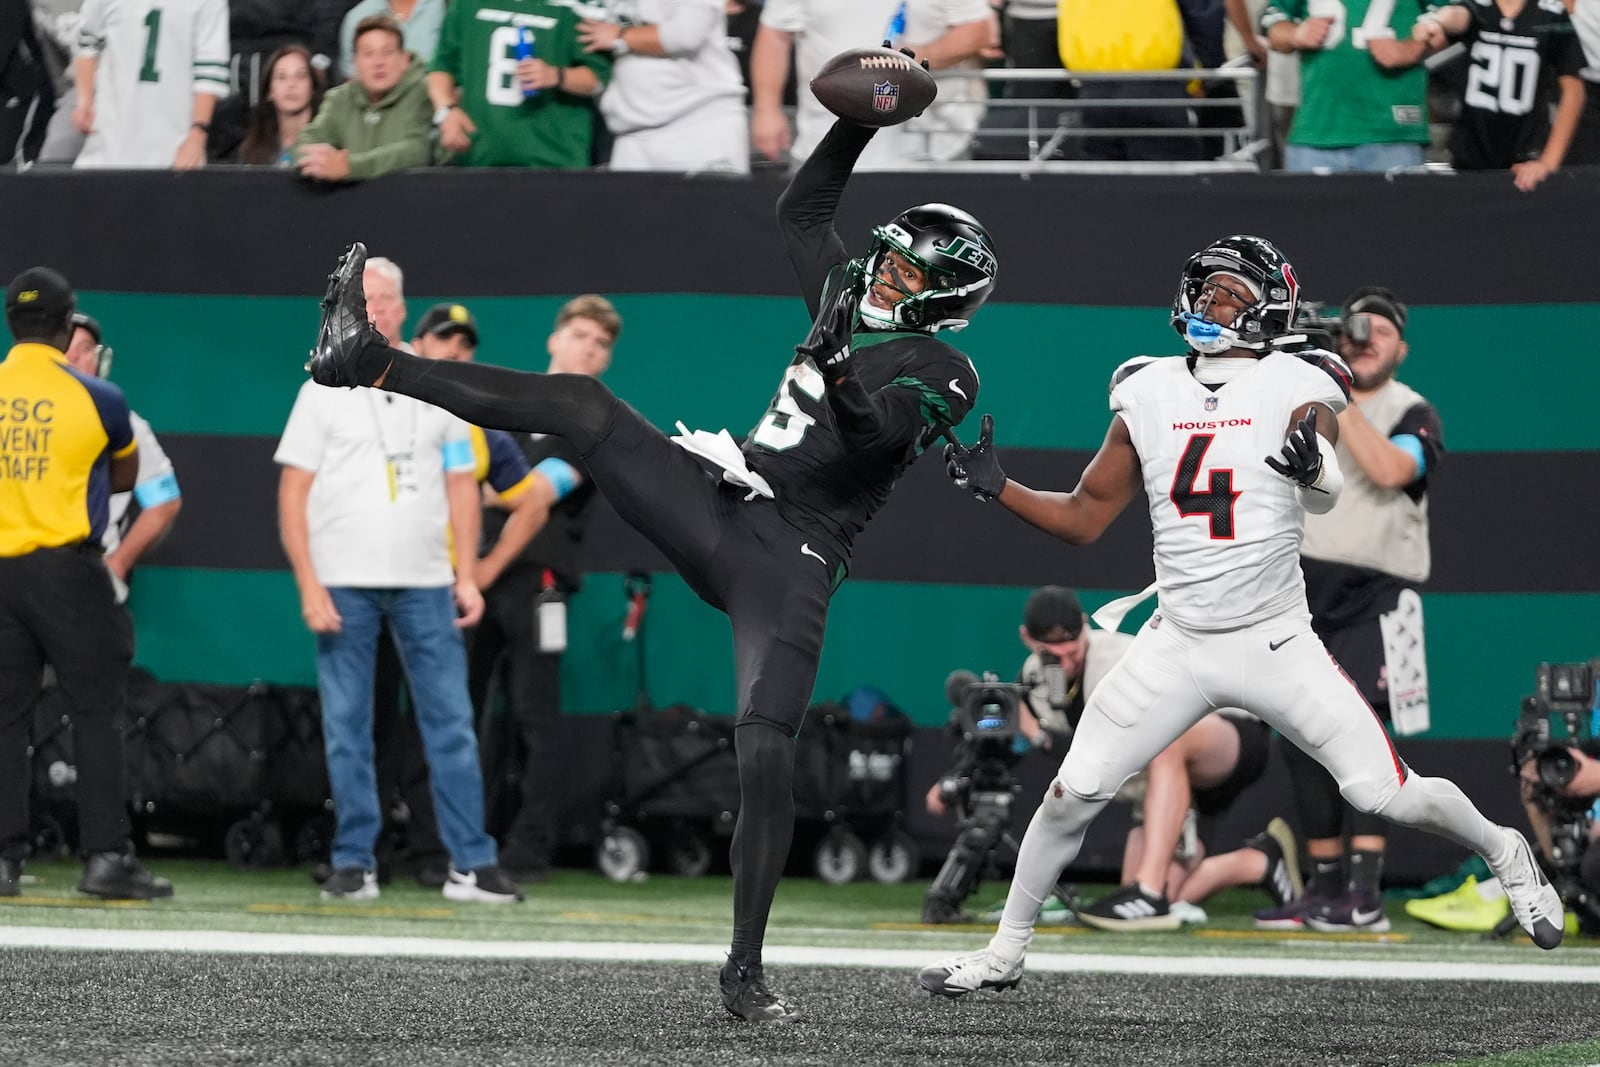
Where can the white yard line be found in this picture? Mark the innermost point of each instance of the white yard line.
(223, 941)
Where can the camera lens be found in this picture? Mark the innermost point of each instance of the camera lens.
(1557, 768)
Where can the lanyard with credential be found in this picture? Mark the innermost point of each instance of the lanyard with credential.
(396, 475)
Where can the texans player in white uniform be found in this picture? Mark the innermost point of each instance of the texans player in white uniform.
(1232, 443)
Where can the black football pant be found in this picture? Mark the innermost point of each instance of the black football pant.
(506, 646)
(738, 555)
(57, 607)
(1324, 813)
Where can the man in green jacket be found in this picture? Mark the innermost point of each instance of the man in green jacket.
(376, 123)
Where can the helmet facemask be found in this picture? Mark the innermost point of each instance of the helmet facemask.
(957, 261)
(1259, 282)
(909, 310)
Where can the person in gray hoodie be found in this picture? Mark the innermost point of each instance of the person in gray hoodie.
(376, 123)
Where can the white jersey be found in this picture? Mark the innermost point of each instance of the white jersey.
(154, 56)
(824, 28)
(1227, 527)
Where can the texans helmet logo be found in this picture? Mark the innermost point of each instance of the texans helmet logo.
(885, 96)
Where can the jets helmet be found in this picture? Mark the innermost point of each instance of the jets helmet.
(957, 255)
(1269, 309)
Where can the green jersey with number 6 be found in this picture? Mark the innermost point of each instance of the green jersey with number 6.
(478, 48)
(1346, 98)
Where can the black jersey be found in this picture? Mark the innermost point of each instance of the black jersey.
(1511, 81)
(833, 453)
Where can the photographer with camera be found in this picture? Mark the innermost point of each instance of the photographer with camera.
(1560, 780)
(1206, 768)
(1363, 562)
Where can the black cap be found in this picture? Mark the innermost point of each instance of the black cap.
(1376, 300)
(442, 320)
(41, 291)
(80, 321)
(1053, 614)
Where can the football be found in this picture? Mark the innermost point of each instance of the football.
(874, 86)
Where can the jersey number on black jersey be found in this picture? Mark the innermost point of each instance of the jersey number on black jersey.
(784, 426)
(1502, 79)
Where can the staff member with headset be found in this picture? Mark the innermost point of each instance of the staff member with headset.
(66, 444)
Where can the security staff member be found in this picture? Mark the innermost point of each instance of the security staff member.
(66, 444)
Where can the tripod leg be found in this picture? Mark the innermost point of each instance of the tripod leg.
(959, 876)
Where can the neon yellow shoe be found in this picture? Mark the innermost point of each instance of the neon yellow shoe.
(1470, 908)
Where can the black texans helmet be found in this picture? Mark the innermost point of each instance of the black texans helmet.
(955, 251)
(1271, 303)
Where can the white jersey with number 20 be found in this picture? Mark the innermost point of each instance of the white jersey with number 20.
(1227, 527)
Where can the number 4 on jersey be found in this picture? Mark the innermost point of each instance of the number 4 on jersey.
(1215, 501)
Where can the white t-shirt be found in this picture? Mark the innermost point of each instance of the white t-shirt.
(378, 511)
(1227, 527)
(824, 28)
(647, 92)
(155, 55)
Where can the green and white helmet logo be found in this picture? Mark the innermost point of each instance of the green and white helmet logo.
(967, 251)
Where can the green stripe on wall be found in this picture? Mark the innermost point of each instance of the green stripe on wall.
(232, 364)
(235, 626)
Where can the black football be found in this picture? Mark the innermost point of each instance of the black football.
(874, 86)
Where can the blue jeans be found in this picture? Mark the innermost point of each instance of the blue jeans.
(1361, 157)
(434, 657)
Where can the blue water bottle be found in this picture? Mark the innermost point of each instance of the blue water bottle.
(525, 50)
(896, 34)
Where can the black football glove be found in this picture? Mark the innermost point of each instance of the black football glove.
(828, 343)
(976, 468)
(1302, 456)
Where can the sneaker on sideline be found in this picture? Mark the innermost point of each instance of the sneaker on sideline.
(1356, 911)
(486, 885)
(351, 883)
(1130, 908)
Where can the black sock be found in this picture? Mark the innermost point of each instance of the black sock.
(373, 361)
(1366, 869)
(761, 836)
(1327, 877)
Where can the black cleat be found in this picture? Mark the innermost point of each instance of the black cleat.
(120, 876)
(10, 877)
(747, 997)
(346, 328)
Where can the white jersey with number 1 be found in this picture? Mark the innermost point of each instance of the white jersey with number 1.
(1227, 527)
(154, 56)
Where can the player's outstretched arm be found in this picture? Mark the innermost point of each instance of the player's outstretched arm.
(806, 208)
(1108, 485)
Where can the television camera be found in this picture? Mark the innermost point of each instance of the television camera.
(979, 788)
(1562, 713)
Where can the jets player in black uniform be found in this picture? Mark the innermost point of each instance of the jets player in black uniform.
(1524, 54)
(763, 533)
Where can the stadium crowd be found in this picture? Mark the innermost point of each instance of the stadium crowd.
(347, 90)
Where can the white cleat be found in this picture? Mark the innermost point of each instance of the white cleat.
(960, 975)
(1534, 901)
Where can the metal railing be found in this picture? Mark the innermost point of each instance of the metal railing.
(1028, 132)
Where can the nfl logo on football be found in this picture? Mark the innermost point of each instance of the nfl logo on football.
(1211, 403)
(885, 96)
